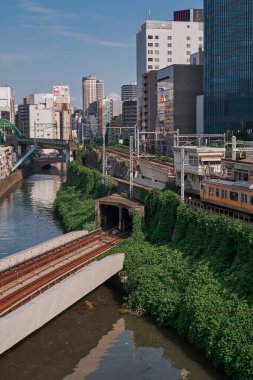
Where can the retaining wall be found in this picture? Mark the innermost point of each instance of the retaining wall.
(20, 323)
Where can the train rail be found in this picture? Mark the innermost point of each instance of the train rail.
(29, 265)
(147, 159)
(49, 278)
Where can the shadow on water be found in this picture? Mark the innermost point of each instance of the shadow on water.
(92, 340)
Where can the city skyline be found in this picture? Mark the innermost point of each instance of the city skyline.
(50, 42)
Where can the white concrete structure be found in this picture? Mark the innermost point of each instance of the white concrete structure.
(201, 163)
(28, 318)
(7, 103)
(163, 43)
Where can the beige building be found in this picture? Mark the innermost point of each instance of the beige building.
(93, 90)
(201, 163)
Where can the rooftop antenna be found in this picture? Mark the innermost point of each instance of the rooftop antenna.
(148, 14)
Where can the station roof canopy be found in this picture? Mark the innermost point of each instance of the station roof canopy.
(119, 201)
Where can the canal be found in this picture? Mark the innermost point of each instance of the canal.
(92, 340)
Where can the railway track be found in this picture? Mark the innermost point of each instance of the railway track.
(36, 286)
(29, 265)
(148, 159)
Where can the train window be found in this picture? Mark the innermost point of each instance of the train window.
(251, 201)
(211, 193)
(218, 193)
(223, 194)
(233, 196)
(244, 198)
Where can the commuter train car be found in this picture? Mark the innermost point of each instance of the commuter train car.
(232, 195)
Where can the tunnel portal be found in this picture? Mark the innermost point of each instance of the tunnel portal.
(114, 213)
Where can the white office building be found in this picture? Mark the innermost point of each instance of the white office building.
(7, 103)
(164, 43)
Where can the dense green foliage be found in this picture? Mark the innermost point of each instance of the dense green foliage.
(188, 269)
(200, 282)
(75, 201)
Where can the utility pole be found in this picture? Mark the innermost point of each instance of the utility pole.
(131, 165)
(234, 148)
(182, 173)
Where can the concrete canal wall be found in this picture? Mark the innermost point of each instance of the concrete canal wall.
(22, 322)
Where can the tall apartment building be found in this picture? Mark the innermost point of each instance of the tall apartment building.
(92, 89)
(129, 91)
(228, 58)
(163, 43)
(7, 103)
(100, 89)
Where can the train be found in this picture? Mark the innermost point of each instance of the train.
(231, 195)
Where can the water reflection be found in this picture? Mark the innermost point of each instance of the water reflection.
(26, 214)
(94, 341)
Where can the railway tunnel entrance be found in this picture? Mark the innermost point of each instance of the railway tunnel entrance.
(114, 212)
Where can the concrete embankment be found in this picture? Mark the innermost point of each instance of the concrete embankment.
(20, 323)
(7, 183)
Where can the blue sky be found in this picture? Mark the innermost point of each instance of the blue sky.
(48, 42)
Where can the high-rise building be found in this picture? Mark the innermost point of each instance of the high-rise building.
(189, 15)
(129, 91)
(100, 89)
(228, 57)
(149, 101)
(163, 43)
(7, 103)
(93, 90)
(89, 91)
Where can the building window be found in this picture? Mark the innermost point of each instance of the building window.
(169, 59)
(188, 60)
(150, 51)
(169, 52)
(157, 37)
(150, 59)
(200, 38)
(150, 67)
(156, 45)
(150, 44)
(156, 51)
(193, 160)
(233, 196)
(156, 67)
(169, 37)
(188, 53)
(156, 59)
(188, 45)
(150, 37)
(169, 45)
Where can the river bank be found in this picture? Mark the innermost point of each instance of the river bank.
(191, 271)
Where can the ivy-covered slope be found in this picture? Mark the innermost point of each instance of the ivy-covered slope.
(193, 271)
(189, 269)
(75, 201)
